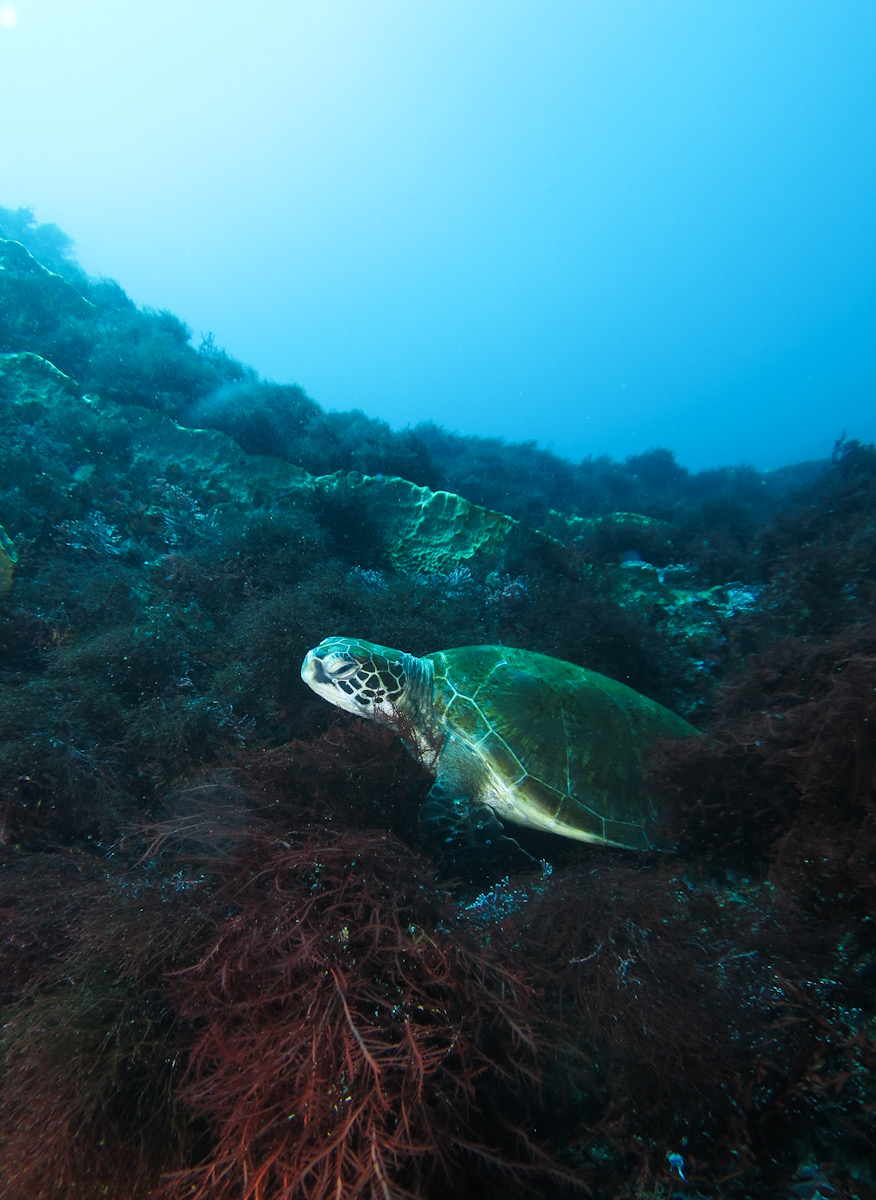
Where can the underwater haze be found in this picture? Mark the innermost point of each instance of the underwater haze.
(605, 225)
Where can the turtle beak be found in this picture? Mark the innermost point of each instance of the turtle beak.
(313, 672)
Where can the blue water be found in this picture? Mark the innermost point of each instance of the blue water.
(604, 226)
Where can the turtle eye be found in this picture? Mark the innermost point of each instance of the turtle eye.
(339, 667)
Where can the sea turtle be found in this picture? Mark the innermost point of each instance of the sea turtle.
(541, 742)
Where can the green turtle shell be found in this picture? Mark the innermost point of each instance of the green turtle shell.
(558, 747)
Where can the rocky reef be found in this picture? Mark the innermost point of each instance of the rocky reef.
(232, 967)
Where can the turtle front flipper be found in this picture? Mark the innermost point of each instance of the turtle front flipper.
(466, 836)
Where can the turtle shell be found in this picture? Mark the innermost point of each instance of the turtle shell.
(557, 747)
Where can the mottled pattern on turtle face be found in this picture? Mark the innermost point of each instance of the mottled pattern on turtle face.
(356, 675)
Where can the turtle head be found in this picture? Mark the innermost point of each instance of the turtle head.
(369, 680)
